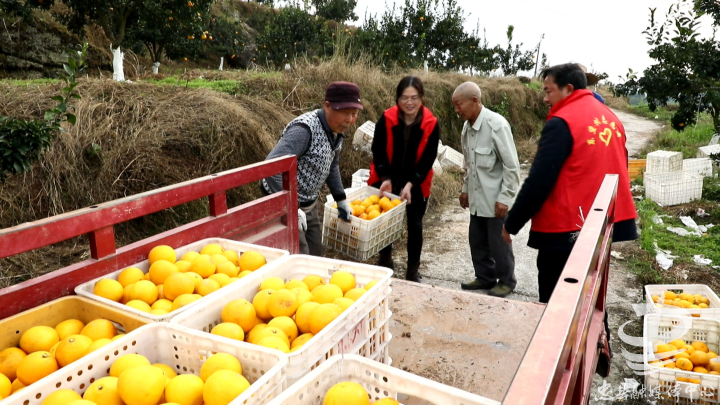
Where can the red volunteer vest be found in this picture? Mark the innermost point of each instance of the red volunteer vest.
(598, 149)
(426, 125)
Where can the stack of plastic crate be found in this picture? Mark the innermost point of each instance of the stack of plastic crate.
(363, 137)
(707, 151)
(667, 183)
(701, 166)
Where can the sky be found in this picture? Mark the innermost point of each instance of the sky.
(604, 35)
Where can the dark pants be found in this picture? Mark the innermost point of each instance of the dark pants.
(492, 257)
(311, 239)
(415, 211)
(550, 264)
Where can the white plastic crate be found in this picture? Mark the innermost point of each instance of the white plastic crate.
(663, 161)
(183, 349)
(361, 239)
(361, 329)
(360, 178)
(701, 166)
(451, 158)
(706, 151)
(437, 167)
(86, 289)
(661, 383)
(659, 289)
(363, 137)
(673, 188)
(379, 380)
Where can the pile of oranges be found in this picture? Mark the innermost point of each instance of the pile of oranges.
(43, 350)
(695, 357)
(372, 207)
(350, 393)
(682, 300)
(133, 379)
(286, 315)
(171, 284)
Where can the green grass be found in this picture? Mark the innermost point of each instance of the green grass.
(686, 141)
(662, 113)
(31, 82)
(223, 86)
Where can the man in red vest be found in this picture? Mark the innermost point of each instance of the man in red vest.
(582, 141)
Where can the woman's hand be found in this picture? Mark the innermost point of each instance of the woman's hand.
(385, 187)
(406, 192)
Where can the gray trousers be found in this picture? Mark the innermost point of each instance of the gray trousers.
(311, 239)
(492, 257)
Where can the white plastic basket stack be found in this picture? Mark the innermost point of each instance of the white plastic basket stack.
(713, 312)
(363, 137)
(182, 349)
(86, 289)
(360, 178)
(450, 158)
(362, 329)
(707, 151)
(437, 167)
(673, 188)
(662, 384)
(663, 161)
(701, 166)
(361, 239)
(379, 380)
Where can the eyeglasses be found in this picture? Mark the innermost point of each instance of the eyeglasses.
(405, 99)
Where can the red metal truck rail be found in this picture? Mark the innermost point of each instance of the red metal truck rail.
(270, 221)
(559, 364)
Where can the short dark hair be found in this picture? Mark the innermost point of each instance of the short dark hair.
(568, 73)
(409, 81)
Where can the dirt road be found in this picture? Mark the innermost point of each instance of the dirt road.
(446, 257)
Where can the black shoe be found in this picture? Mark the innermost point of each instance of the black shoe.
(478, 285)
(501, 290)
(413, 273)
(385, 260)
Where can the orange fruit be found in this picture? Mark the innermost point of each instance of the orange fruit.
(229, 330)
(301, 340)
(99, 329)
(129, 276)
(396, 202)
(700, 346)
(211, 249)
(699, 359)
(669, 295)
(302, 316)
(363, 216)
(358, 210)
(251, 260)
(323, 315)
(163, 304)
(313, 281)
(140, 306)
(142, 385)
(72, 348)
(682, 355)
(10, 358)
(162, 252)
(104, 391)
(295, 283)
(183, 300)
(219, 362)
(285, 324)
(327, 293)
(146, 291)
(36, 366)
(302, 295)
(282, 303)
(343, 303)
(5, 386)
(190, 256)
(126, 293)
(218, 258)
(196, 278)
(207, 286)
(228, 268)
(260, 302)
(183, 266)
(343, 279)
(678, 343)
(38, 339)
(169, 372)
(109, 289)
(271, 331)
(373, 215)
(664, 348)
(232, 256)
(177, 284)
(98, 344)
(684, 364)
(250, 336)
(127, 362)
(186, 389)
(69, 327)
(355, 293)
(224, 386)
(272, 283)
(370, 285)
(241, 312)
(203, 266)
(61, 397)
(699, 369)
(222, 279)
(274, 343)
(160, 270)
(346, 393)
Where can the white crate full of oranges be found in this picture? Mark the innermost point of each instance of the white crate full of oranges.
(306, 307)
(171, 279)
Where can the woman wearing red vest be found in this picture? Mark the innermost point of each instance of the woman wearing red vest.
(404, 149)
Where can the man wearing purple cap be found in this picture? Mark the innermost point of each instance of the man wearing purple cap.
(316, 138)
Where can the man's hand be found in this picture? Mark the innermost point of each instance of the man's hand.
(385, 187)
(501, 210)
(506, 236)
(344, 210)
(464, 201)
(302, 221)
(406, 192)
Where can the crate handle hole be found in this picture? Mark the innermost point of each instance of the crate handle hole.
(571, 280)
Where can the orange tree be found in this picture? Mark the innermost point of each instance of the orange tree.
(512, 58)
(336, 10)
(687, 68)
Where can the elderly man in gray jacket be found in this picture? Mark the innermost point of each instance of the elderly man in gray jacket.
(491, 182)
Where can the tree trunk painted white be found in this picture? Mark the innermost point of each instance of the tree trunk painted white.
(222, 59)
(118, 72)
(155, 67)
(425, 66)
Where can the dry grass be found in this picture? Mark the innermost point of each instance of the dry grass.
(131, 138)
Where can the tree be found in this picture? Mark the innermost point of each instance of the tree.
(687, 68)
(337, 10)
(163, 23)
(513, 59)
(118, 18)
